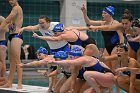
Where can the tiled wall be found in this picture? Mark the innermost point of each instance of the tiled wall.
(34, 8)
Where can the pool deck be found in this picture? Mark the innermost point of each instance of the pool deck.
(26, 89)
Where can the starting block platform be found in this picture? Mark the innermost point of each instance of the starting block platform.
(26, 89)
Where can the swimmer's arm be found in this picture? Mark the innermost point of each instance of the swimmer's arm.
(86, 18)
(1, 20)
(132, 64)
(80, 28)
(78, 61)
(30, 28)
(54, 73)
(126, 69)
(92, 22)
(113, 27)
(109, 58)
(136, 39)
(9, 18)
(35, 63)
(50, 38)
(134, 70)
(74, 74)
(120, 34)
(138, 30)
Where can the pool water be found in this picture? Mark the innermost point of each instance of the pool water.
(114, 90)
(43, 83)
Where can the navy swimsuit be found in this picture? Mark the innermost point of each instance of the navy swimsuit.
(3, 42)
(81, 42)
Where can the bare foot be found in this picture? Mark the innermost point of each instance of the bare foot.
(19, 87)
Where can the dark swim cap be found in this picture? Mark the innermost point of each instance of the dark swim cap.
(58, 28)
(110, 10)
(76, 51)
(61, 54)
(42, 50)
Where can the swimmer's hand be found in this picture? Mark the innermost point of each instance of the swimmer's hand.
(121, 69)
(45, 74)
(20, 65)
(35, 35)
(83, 8)
(23, 65)
(128, 35)
(94, 28)
(129, 38)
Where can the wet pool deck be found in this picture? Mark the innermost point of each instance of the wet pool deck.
(26, 89)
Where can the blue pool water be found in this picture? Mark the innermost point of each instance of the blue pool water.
(114, 90)
(43, 83)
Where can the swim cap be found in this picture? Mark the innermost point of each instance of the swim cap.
(76, 51)
(42, 50)
(110, 10)
(61, 54)
(58, 28)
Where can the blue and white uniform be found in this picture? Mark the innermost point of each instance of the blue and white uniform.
(54, 45)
